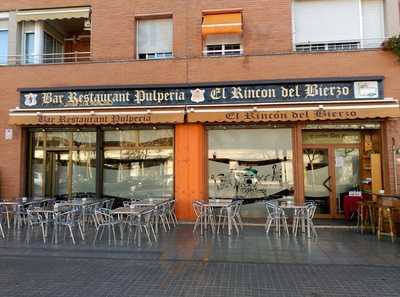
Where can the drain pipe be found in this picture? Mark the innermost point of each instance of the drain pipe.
(394, 164)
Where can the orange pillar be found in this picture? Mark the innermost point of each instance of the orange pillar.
(190, 168)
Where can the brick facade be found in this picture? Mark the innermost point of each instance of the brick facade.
(267, 43)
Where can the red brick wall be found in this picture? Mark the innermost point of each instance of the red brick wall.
(267, 32)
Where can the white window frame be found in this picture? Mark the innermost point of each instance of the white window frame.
(5, 57)
(223, 52)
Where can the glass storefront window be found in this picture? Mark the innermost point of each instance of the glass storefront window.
(121, 138)
(139, 172)
(84, 139)
(38, 139)
(37, 172)
(83, 172)
(156, 138)
(250, 164)
(58, 139)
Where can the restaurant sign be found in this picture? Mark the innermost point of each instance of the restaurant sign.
(251, 93)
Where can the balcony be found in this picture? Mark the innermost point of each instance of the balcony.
(48, 36)
(340, 45)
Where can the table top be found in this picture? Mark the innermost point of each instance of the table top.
(130, 210)
(211, 203)
(79, 202)
(293, 206)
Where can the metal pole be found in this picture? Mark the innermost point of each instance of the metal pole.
(394, 165)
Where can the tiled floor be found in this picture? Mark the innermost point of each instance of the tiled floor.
(340, 262)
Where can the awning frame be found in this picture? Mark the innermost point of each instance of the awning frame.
(53, 14)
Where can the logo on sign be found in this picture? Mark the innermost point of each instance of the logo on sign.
(30, 99)
(197, 95)
(366, 89)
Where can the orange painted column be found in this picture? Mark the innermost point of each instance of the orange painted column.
(190, 168)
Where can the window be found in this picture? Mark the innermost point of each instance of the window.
(138, 163)
(222, 45)
(337, 25)
(250, 164)
(3, 46)
(154, 39)
(29, 43)
(223, 50)
(52, 49)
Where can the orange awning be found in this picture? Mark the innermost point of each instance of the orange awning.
(223, 23)
(386, 109)
(96, 117)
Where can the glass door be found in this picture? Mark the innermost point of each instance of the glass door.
(318, 178)
(57, 177)
(330, 172)
(347, 173)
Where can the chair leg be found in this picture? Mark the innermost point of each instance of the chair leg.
(43, 232)
(80, 230)
(2, 231)
(72, 234)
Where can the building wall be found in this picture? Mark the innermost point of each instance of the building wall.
(267, 42)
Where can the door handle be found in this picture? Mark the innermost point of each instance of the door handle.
(325, 183)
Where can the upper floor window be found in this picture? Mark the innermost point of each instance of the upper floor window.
(222, 34)
(338, 25)
(154, 39)
(222, 45)
(53, 35)
(3, 39)
(3, 46)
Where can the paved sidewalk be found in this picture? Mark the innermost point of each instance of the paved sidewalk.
(59, 276)
(338, 263)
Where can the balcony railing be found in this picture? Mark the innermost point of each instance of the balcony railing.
(340, 45)
(53, 58)
(223, 52)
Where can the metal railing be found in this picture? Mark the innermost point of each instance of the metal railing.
(53, 58)
(222, 52)
(340, 45)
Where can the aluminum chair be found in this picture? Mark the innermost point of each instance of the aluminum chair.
(1, 230)
(105, 219)
(70, 219)
(276, 217)
(145, 221)
(235, 215)
(171, 212)
(36, 218)
(300, 217)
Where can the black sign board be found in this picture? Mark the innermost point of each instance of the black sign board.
(230, 94)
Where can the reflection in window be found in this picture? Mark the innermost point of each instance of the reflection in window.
(120, 138)
(83, 172)
(250, 164)
(58, 139)
(84, 139)
(37, 173)
(139, 172)
(38, 139)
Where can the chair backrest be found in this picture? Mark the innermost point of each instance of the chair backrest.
(197, 207)
(272, 209)
(68, 217)
(33, 216)
(147, 216)
(311, 208)
(103, 215)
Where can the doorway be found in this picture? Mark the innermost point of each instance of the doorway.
(57, 173)
(330, 172)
